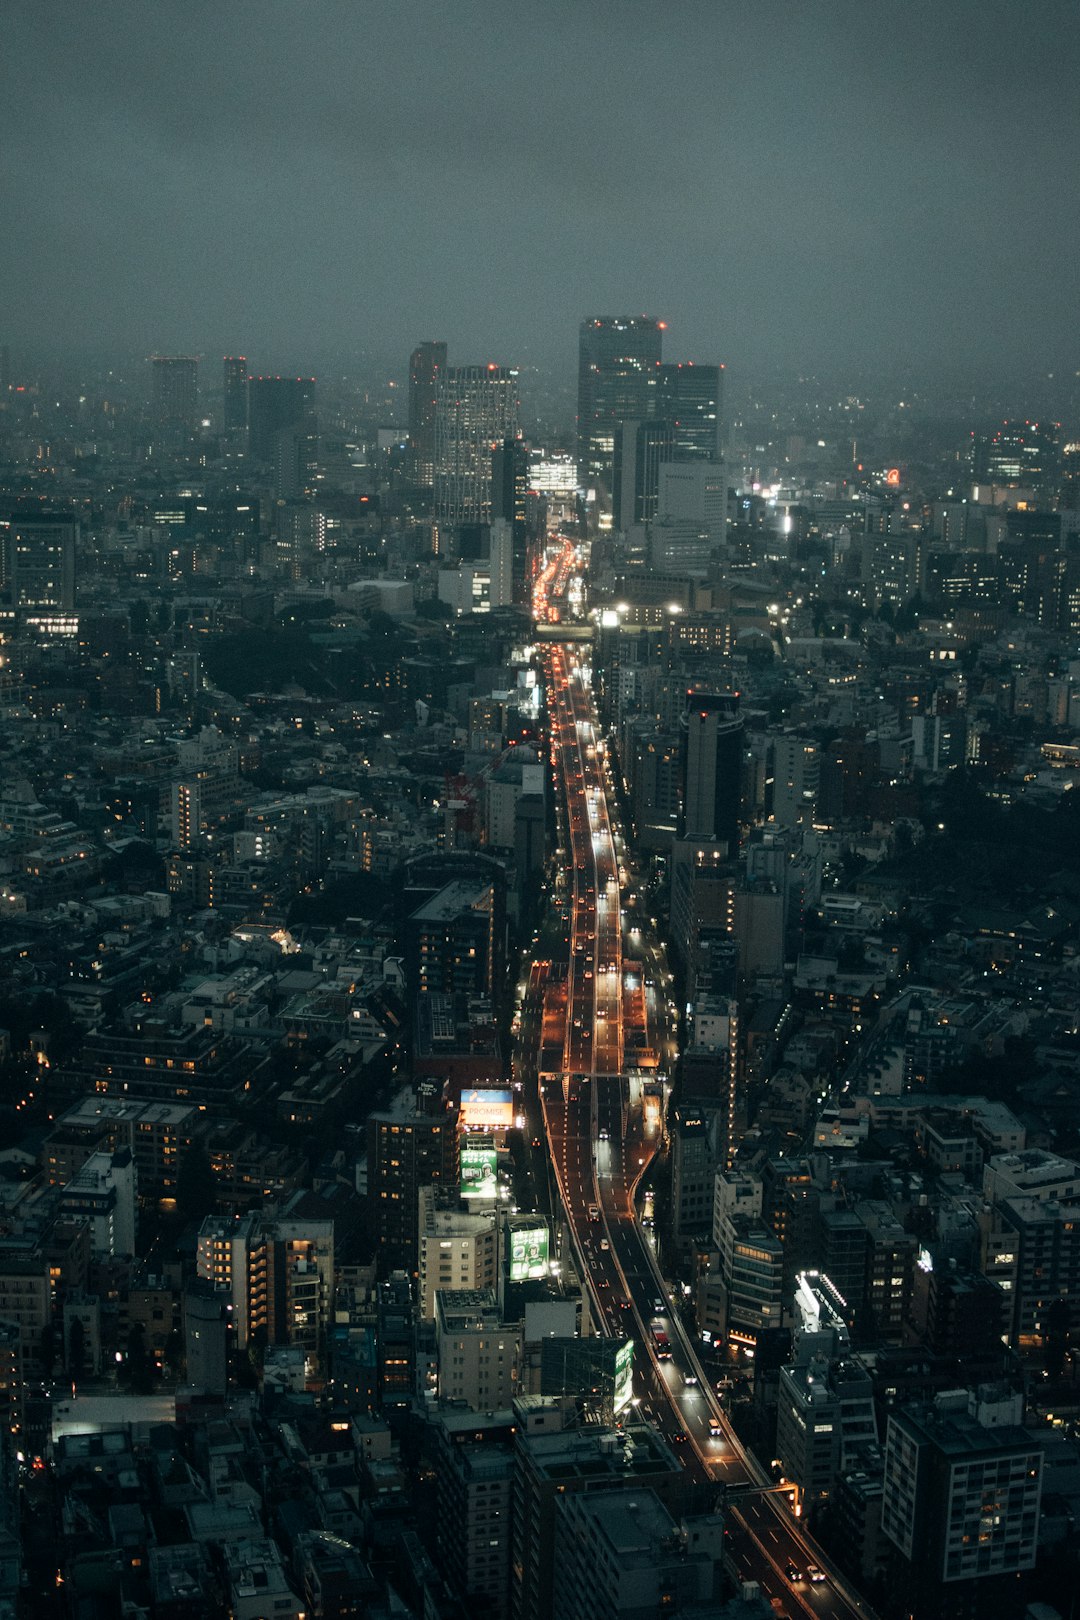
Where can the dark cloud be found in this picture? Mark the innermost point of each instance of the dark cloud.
(888, 184)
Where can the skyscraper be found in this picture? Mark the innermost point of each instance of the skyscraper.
(276, 405)
(427, 364)
(509, 501)
(640, 448)
(476, 409)
(175, 390)
(690, 398)
(712, 782)
(283, 431)
(234, 418)
(618, 360)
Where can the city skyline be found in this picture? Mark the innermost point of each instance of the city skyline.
(326, 184)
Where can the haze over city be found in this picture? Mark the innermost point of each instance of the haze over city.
(879, 188)
(539, 811)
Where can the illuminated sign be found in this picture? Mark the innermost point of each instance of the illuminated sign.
(528, 1253)
(479, 1173)
(892, 477)
(487, 1107)
(624, 1375)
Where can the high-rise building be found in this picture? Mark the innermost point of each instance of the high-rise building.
(427, 364)
(476, 409)
(553, 1465)
(278, 1275)
(456, 1248)
(37, 561)
(175, 390)
(406, 1150)
(712, 781)
(1019, 455)
(622, 1555)
(690, 398)
(640, 449)
(963, 1484)
(510, 502)
(618, 361)
(278, 405)
(480, 1356)
(234, 417)
(451, 942)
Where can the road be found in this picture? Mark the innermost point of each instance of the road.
(591, 1088)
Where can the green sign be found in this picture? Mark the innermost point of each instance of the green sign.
(624, 1374)
(479, 1174)
(528, 1253)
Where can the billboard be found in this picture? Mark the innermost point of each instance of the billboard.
(624, 1375)
(528, 1252)
(487, 1107)
(479, 1172)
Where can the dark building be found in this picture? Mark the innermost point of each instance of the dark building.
(37, 561)
(279, 407)
(1019, 455)
(618, 360)
(427, 364)
(234, 417)
(640, 450)
(712, 769)
(963, 1482)
(174, 397)
(476, 408)
(509, 501)
(690, 399)
(406, 1149)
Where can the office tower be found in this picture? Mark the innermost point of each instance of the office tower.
(175, 390)
(479, 1355)
(640, 448)
(474, 1479)
(406, 1150)
(750, 1276)
(793, 779)
(278, 405)
(457, 1249)
(510, 502)
(501, 562)
(553, 1465)
(1019, 455)
(278, 1276)
(618, 1555)
(712, 769)
(37, 561)
(824, 1414)
(691, 517)
(690, 399)
(234, 417)
(963, 1485)
(694, 1163)
(451, 944)
(618, 360)
(476, 409)
(427, 364)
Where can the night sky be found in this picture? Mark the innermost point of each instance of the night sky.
(883, 186)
